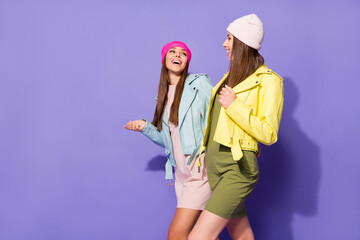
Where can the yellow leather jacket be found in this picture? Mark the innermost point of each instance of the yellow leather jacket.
(254, 115)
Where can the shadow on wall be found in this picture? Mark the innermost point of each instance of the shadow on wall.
(289, 177)
(157, 163)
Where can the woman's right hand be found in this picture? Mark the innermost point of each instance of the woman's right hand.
(137, 125)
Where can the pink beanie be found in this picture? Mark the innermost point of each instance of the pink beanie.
(248, 29)
(167, 47)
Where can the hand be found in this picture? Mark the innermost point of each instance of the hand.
(137, 125)
(227, 96)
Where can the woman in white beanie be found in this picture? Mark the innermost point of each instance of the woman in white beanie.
(245, 108)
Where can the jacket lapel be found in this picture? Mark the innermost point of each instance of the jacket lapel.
(246, 84)
(187, 99)
(211, 103)
(251, 81)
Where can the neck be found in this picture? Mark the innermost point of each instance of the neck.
(174, 78)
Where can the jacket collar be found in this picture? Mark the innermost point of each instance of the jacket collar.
(191, 78)
(248, 83)
(188, 96)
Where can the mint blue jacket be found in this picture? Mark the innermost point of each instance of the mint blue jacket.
(192, 120)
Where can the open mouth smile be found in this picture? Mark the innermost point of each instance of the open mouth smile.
(177, 62)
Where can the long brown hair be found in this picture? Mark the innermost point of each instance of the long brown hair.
(162, 96)
(245, 60)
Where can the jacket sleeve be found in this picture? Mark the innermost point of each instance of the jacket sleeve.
(153, 134)
(263, 125)
(206, 87)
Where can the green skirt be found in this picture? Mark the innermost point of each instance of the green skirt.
(231, 182)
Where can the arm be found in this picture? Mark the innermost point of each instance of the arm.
(206, 86)
(151, 132)
(136, 125)
(147, 129)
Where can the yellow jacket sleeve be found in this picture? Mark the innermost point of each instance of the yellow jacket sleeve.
(262, 123)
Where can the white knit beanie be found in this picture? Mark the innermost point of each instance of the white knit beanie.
(248, 29)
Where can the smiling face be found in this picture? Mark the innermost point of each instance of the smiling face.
(228, 44)
(176, 60)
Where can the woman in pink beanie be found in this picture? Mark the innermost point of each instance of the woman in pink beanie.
(245, 108)
(178, 126)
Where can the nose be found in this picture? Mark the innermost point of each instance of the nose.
(224, 45)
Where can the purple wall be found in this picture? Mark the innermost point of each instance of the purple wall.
(72, 73)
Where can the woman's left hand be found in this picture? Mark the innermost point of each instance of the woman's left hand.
(227, 96)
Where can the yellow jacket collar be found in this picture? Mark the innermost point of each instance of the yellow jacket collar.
(248, 83)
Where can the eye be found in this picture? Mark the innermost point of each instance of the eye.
(184, 53)
(171, 51)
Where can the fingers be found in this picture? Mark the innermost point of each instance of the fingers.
(226, 96)
(229, 89)
(128, 126)
(133, 125)
(223, 94)
(226, 90)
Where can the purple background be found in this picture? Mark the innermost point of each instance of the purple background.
(74, 72)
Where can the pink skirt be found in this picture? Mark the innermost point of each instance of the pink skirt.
(191, 186)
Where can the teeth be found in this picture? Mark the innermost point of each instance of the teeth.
(177, 62)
